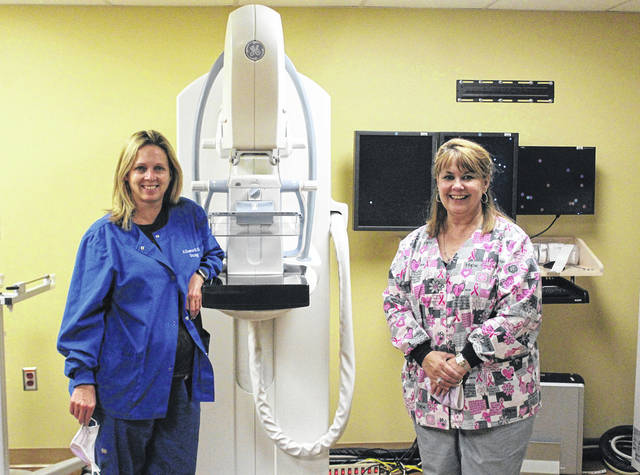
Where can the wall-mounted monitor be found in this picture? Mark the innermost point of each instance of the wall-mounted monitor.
(556, 180)
(503, 148)
(392, 179)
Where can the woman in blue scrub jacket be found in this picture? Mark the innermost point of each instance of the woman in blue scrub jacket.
(136, 352)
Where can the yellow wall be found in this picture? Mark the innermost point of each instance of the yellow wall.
(76, 81)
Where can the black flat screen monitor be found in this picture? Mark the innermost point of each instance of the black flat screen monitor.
(392, 179)
(556, 180)
(503, 148)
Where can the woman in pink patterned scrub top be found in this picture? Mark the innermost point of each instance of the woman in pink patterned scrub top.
(463, 305)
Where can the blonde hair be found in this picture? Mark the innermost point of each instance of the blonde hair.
(123, 206)
(468, 156)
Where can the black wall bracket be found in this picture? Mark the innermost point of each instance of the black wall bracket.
(468, 90)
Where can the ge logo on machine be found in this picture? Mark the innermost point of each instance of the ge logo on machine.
(254, 50)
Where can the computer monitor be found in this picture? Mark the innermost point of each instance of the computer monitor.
(556, 180)
(392, 179)
(503, 148)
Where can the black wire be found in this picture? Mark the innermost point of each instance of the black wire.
(408, 456)
(411, 456)
(547, 228)
(610, 457)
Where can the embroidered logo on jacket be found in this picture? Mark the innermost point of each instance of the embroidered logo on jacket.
(193, 252)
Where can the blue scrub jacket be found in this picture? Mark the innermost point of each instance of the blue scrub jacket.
(120, 325)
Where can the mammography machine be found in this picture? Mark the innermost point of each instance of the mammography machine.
(253, 141)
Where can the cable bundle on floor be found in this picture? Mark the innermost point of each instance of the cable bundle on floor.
(615, 446)
(394, 461)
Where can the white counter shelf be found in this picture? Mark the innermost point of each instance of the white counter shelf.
(588, 264)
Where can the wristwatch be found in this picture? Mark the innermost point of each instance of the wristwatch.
(202, 274)
(461, 361)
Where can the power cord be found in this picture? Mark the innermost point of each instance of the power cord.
(615, 446)
(547, 228)
(394, 461)
(396, 468)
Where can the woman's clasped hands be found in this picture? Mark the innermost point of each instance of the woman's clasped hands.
(443, 371)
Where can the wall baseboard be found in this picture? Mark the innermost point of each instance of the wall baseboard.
(376, 445)
(33, 459)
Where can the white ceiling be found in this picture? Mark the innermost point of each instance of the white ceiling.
(549, 5)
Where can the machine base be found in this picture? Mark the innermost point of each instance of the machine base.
(256, 293)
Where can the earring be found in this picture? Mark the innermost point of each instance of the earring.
(485, 198)
(438, 198)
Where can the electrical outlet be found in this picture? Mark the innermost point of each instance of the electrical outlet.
(30, 379)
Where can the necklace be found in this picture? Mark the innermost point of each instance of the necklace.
(446, 256)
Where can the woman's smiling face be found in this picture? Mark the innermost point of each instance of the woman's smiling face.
(461, 190)
(150, 176)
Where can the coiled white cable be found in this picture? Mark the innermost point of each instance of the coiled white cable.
(625, 440)
(338, 230)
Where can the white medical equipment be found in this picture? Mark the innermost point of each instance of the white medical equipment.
(253, 137)
(9, 297)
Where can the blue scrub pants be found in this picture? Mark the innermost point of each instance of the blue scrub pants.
(152, 446)
(496, 451)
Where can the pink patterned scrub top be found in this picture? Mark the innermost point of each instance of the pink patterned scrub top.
(485, 301)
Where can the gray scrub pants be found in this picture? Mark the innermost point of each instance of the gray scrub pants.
(496, 451)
